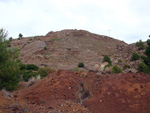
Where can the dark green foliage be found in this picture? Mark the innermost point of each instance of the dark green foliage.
(107, 59)
(81, 65)
(116, 69)
(9, 67)
(145, 65)
(142, 67)
(148, 42)
(28, 74)
(20, 35)
(45, 48)
(22, 66)
(140, 45)
(44, 71)
(10, 39)
(32, 67)
(135, 56)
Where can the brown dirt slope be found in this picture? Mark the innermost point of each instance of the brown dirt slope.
(83, 92)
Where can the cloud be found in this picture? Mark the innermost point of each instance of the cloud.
(128, 20)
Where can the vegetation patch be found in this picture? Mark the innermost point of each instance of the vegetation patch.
(44, 71)
(81, 65)
(107, 59)
(116, 69)
(54, 39)
(135, 56)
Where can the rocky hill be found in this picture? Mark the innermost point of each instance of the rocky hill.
(65, 49)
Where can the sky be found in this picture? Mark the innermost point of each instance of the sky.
(126, 20)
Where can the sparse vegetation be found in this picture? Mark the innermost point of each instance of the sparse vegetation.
(145, 65)
(76, 69)
(54, 39)
(126, 66)
(47, 53)
(44, 71)
(116, 69)
(28, 74)
(120, 61)
(81, 65)
(135, 56)
(107, 59)
(32, 67)
(45, 48)
(140, 44)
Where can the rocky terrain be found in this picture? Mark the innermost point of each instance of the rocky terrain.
(84, 91)
(66, 48)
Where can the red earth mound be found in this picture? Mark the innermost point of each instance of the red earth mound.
(86, 92)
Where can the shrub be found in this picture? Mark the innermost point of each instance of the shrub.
(20, 35)
(81, 65)
(145, 65)
(28, 74)
(126, 66)
(140, 45)
(76, 69)
(135, 56)
(44, 71)
(54, 39)
(107, 59)
(116, 69)
(45, 48)
(141, 67)
(47, 53)
(22, 66)
(32, 67)
(10, 39)
(9, 68)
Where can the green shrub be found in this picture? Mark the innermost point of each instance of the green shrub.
(32, 67)
(140, 45)
(76, 69)
(47, 53)
(54, 39)
(10, 39)
(135, 56)
(22, 66)
(9, 68)
(28, 74)
(45, 48)
(81, 65)
(126, 66)
(44, 71)
(116, 69)
(141, 67)
(145, 65)
(20, 35)
(9, 75)
(107, 59)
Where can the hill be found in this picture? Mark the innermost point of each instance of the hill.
(65, 49)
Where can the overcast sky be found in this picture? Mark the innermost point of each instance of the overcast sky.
(127, 20)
